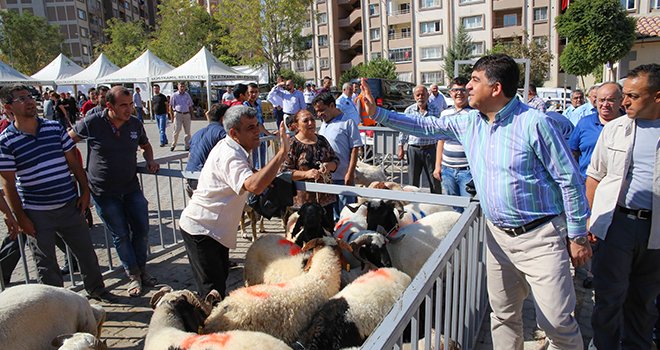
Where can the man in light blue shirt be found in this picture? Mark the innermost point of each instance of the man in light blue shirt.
(292, 99)
(343, 135)
(346, 105)
(586, 109)
(532, 196)
(577, 100)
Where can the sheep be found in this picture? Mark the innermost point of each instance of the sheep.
(233, 340)
(412, 245)
(79, 341)
(311, 223)
(349, 317)
(416, 211)
(178, 315)
(366, 174)
(273, 259)
(368, 216)
(283, 310)
(33, 307)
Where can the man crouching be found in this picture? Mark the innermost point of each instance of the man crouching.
(208, 224)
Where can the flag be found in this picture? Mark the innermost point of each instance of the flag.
(564, 5)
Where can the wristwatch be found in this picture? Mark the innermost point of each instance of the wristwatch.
(581, 240)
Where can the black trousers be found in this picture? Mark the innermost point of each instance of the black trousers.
(209, 261)
(626, 284)
(10, 254)
(422, 160)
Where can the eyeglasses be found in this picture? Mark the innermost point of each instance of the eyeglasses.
(457, 90)
(23, 99)
(608, 100)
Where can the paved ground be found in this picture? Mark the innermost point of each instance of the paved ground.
(128, 319)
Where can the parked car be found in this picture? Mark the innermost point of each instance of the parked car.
(557, 104)
(391, 94)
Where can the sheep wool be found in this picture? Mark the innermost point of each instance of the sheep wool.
(281, 310)
(234, 340)
(33, 307)
(79, 341)
(272, 259)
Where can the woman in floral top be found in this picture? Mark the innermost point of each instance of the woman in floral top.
(311, 158)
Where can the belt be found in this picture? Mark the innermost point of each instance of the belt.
(514, 232)
(643, 214)
(423, 146)
(459, 168)
(182, 112)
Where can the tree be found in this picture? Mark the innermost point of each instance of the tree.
(28, 42)
(270, 31)
(537, 52)
(597, 32)
(378, 68)
(460, 49)
(288, 74)
(127, 41)
(350, 74)
(183, 28)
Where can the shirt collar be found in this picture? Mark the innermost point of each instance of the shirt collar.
(236, 146)
(13, 128)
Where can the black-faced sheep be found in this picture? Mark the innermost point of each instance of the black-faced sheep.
(283, 310)
(44, 312)
(351, 316)
(311, 223)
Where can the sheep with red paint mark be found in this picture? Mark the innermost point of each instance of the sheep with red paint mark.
(273, 259)
(234, 340)
(349, 317)
(283, 310)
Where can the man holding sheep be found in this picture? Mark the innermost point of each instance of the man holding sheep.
(208, 224)
(532, 197)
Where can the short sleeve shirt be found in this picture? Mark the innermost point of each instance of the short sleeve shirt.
(217, 204)
(159, 103)
(343, 135)
(112, 153)
(583, 139)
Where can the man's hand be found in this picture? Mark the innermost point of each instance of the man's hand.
(368, 98)
(83, 202)
(399, 152)
(437, 173)
(152, 166)
(12, 226)
(580, 253)
(284, 139)
(349, 179)
(26, 225)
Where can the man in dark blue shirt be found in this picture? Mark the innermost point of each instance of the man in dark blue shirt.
(203, 141)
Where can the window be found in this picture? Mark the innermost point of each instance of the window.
(374, 34)
(628, 4)
(431, 53)
(431, 27)
(82, 14)
(84, 32)
(376, 55)
(541, 41)
(373, 10)
(305, 65)
(436, 77)
(477, 49)
(655, 5)
(323, 18)
(401, 55)
(540, 14)
(510, 20)
(286, 65)
(473, 22)
(85, 50)
(309, 42)
(402, 9)
(465, 2)
(323, 40)
(406, 32)
(425, 4)
(391, 32)
(324, 62)
(308, 23)
(404, 76)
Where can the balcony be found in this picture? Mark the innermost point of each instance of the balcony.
(352, 20)
(505, 4)
(348, 3)
(507, 32)
(345, 66)
(399, 16)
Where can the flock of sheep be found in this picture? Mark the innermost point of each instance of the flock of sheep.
(318, 288)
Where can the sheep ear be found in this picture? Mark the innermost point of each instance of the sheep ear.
(345, 246)
(312, 244)
(158, 295)
(59, 340)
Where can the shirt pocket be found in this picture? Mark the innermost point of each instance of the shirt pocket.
(616, 160)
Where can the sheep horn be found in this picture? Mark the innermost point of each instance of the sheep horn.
(213, 297)
(158, 295)
(361, 241)
(312, 244)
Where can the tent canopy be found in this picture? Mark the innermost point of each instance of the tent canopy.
(204, 67)
(141, 70)
(61, 67)
(260, 72)
(98, 69)
(9, 75)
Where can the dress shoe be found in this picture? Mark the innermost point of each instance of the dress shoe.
(172, 148)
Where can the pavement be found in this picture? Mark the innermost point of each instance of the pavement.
(128, 318)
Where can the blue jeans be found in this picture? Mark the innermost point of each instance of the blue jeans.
(259, 156)
(342, 201)
(140, 113)
(161, 119)
(454, 181)
(127, 218)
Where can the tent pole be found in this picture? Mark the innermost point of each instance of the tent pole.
(208, 93)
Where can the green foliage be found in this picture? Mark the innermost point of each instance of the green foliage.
(183, 28)
(28, 43)
(460, 49)
(597, 32)
(298, 80)
(538, 54)
(378, 68)
(270, 31)
(127, 41)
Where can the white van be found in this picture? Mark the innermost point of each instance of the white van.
(553, 93)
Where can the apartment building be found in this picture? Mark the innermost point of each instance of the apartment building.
(81, 22)
(415, 34)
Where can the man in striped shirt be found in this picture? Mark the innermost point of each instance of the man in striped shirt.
(421, 150)
(451, 165)
(37, 158)
(532, 196)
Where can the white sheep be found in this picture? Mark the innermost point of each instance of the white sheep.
(412, 245)
(273, 259)
(349, 317)
(233, 340)
(366, 174)
(282, 310)
(33, 315)
(415, 211)
(178, 315)
(79, 341)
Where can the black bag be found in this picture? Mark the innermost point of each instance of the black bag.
(275, 199)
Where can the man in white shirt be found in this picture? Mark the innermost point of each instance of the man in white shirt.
(345, 103)
(208, 224)
(436, 98)
(137, 103)
(309, 95)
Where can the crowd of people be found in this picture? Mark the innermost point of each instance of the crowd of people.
(555, 190)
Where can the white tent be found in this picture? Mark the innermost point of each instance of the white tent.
(98, 69)
(260, 72)
(141, 70)
(204, 67)
(9, 75)
(61, 67)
